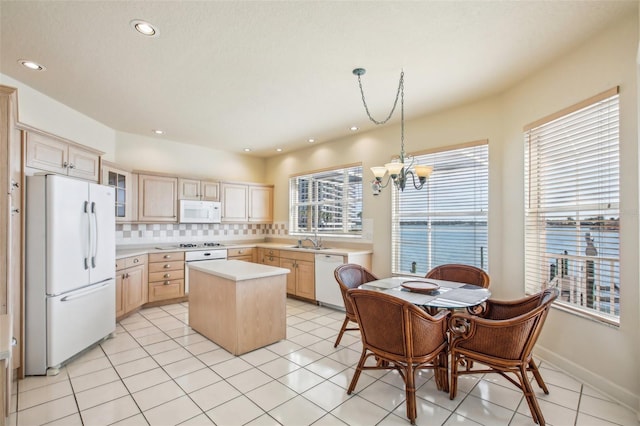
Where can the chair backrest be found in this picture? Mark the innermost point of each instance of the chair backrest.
(351, 276)
(396, 328)
(460, 273)
(500, 309)
(512, 338)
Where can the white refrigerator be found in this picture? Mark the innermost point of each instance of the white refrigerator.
(70, 269)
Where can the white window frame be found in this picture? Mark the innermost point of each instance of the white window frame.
(457, 193)
(346, 182)
(572, 206)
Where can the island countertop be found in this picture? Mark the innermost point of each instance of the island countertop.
(237, 270)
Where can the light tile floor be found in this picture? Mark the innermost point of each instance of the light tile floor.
(158, 371)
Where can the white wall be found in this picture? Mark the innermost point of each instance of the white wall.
(132, 151)
(155, 154)
(602, 355)
(42, 112)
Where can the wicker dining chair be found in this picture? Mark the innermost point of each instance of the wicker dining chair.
(350, 276)
(403, 337)
(502, 339)
(460, 273)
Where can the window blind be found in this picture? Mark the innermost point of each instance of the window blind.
(572, 206)
(328, 202)
(446, 221)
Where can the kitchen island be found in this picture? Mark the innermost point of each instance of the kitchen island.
(238, 305)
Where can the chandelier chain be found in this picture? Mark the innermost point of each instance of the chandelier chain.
(395, 103)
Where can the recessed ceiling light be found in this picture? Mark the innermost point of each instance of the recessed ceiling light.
(353, 128)
(158, 131)
(312, 140)
(278, 149)
(31, 65)
(247, 150)
(144, 28)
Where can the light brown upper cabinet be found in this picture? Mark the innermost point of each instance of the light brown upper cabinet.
(157, 198)
(260, 203)
(234, 202)
(246, 202)
(53, 154)
(121, 181)
(194, 189)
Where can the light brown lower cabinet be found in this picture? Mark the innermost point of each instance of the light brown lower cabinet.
(301, 281)
(131, 284)
(246, 254)
(269, 256)
(166, 275)
(5, 367)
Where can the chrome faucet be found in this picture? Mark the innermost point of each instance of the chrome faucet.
(316, 241)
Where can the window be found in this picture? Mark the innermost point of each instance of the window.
(329, 202)
(446, 221)
(572, 206)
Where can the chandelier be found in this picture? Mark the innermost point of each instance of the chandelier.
(398, 172)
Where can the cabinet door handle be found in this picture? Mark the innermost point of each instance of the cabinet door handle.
(72, 166)
(167, 275)
(167, 256)
(167, 266)
(65, 165)
(136, 260)
(167, 282)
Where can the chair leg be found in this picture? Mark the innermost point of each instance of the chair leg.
(443, 367)
(536, 374)
(356, 375)
(530, 396)
(410, 390)
(453, 383)
(342, 330)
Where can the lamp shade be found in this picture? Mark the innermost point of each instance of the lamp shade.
(423, 171)
(379, 171)
(394, 168)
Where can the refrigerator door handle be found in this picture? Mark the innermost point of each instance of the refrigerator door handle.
(83, 294)
(86, 259)
(94, 235)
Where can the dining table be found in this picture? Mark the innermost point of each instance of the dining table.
(431, 293)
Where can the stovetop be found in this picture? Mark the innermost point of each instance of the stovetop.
(199, 245)
(191, 246)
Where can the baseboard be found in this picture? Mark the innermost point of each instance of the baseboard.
(606, 387)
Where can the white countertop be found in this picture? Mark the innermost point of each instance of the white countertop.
(237, 270)
(127, 251)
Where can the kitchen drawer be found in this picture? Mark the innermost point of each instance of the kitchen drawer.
(162, 257)
(296, 255)
(271, 260)
(134, 261)
(246, 251)
(166, 275)
(163, 290)
(120, 264)
(267, 252)
(166, 266)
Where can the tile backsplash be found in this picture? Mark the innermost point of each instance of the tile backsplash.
(155, 233)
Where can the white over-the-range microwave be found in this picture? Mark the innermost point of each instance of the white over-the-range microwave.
(194, 211)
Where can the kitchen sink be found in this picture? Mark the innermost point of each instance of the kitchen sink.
(310, 248)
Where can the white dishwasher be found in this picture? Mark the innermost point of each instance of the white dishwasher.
(327, 288)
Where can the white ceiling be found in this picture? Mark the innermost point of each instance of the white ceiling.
(267, 74)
